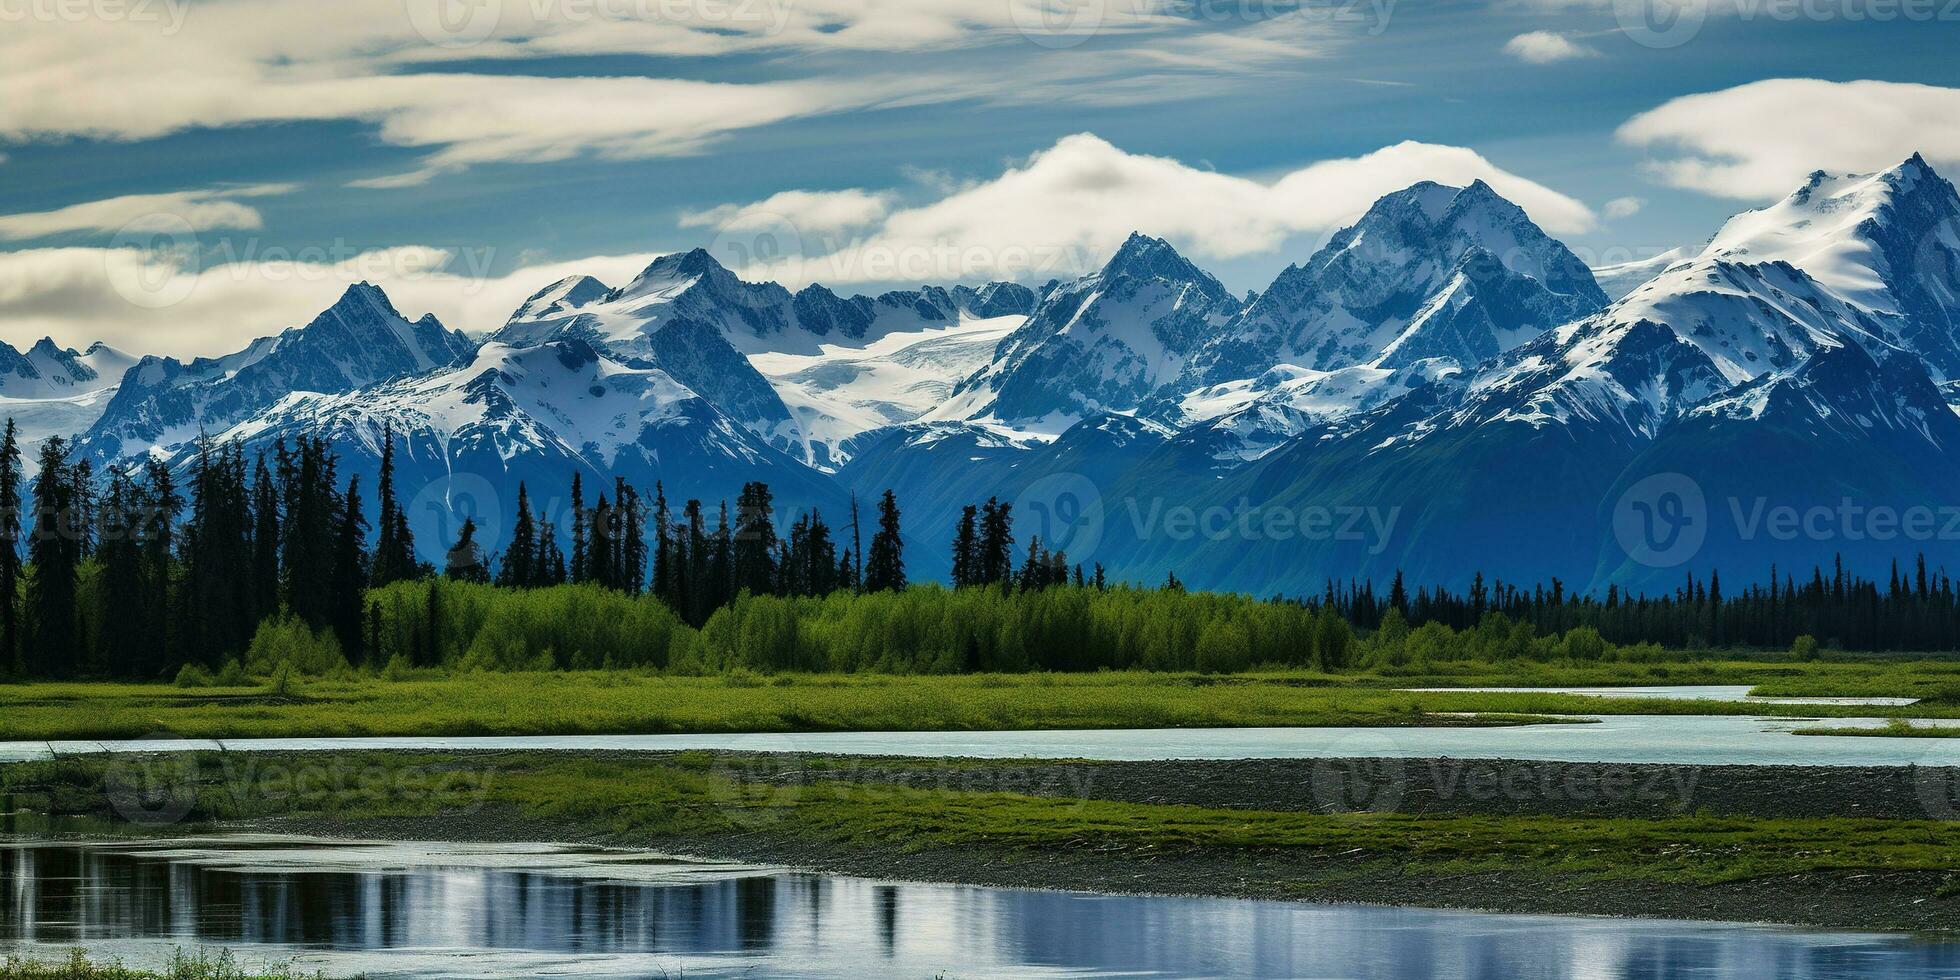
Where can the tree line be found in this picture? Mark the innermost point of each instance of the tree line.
(152, 569)
(1915, 608)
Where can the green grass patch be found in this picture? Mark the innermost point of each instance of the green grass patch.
(1896, 728)
(435, 703)
(199, 966)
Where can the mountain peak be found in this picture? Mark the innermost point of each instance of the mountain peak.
(365, 299)
(675, 272)
(1914, 174)
(561, 297)
(1144, 257)
(693, 262)
(1916, 164)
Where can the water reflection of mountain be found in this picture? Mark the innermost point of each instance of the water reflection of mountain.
(806, 925)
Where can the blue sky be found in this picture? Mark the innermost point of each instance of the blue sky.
(266, 152)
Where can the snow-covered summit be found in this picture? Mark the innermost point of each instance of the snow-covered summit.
(1428, 272)
(1107, 342)
(360, 340)
(49, 370)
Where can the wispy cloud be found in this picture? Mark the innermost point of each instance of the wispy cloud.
(241, 63)
(201, 210)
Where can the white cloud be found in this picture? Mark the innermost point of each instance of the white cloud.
(1546, 47)
(146, 302)
(204, 210)
(1759, 141)
(1076, 200)
(244, 62)
(1067, 207)
(1624, 207)
(821, 212)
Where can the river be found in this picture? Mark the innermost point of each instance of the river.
(447, 910)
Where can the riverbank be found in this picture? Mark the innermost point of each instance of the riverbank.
(437, 703)
(1509, 837)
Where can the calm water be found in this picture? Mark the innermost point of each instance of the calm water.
(1735, 693)
(473, 911)
(1662, 739)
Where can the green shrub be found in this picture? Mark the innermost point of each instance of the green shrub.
(1805, 648)
(1223, 648)
(286, 641)
(282, 683)
(194, 675)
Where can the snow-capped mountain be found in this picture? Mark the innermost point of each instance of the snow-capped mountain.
(467, 435)
(1711, 343)
(844, 392)
(1429, 273)
(163, 403)
(755, 317)
(1850, 443)
(806, 371)
(1430, 281)
(1441, 389)
(1616, 279)
(1107, 342)
(53, 390)
(49, 371)
(1887, 243)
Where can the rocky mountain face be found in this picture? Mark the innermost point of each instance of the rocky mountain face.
(164, 404)
(1108, 342)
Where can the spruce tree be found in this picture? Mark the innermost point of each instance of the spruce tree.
(598, 544)
(10, 560)
(755, 540)
(123, 643)
(465, 561)
(668, 577)
(996, 543)
(632, 555)
(700, 595)
(966, 549)
(394, 546)
(886, 569)
(721, 567)
(265, 541)
(350, 574)
(551, 558)
(53, 553)
(162, 505)
(520, 565)
(578, 557)
(855, 580)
